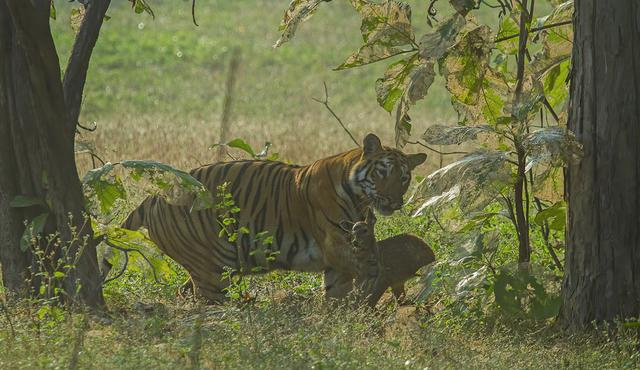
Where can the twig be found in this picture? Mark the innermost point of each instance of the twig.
(435, 217)
(126, 252)
(544, 230)
(76, 72)
(431, 10)
(434, 150)
(325, 102)
(550, 109)
(193, 12)
(522, 49)
(95, 126)
(533, 30)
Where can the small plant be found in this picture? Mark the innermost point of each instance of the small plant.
(248, 149)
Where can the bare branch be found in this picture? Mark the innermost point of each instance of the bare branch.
(126, 252)
(76, 72)
(434, 150)
(533, 30)
(193, 12)
(325, 102)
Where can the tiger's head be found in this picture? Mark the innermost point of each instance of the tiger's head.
(382, 174)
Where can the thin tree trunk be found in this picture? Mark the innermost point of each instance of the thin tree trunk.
(78, 65)
(40, 161)
(602, 268)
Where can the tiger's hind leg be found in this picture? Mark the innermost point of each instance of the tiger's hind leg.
(209, 286)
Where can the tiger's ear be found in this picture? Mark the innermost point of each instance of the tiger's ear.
(371, 145)
(415, 160)
(346, 225)
(370, 218)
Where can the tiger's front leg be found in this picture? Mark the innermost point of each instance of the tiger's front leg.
(337, 284)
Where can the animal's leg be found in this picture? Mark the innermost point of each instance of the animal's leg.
(210, 286)
(337, 284)
(399, 292)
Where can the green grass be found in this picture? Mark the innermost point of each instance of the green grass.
(170, 66)
(289, 325)
(164, 79)
(155, 88)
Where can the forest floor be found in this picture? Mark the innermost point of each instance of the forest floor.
(288, 326)
(155, 90)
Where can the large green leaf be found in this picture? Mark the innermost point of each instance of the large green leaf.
(136, 241)
(434, 45)
(103, 189)
(555, 84)
(386, 32)
(34, 227)
(555, 146)
(177, 193)
(450, 135)
(554, 216)
(404, 83)
(478, 93)
(298, 12)
(23, 201)
(507, 292)
(464, 6)
(480, 176)
(558, 40)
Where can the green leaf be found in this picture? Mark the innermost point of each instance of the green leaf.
(558, 40)
(450, 135)
(241, 144)
(59, 274)
(52, 11)
(102, 189)
(180, 193)
(472, 281)
(140, 6)
(404, 83)
(298, 12)
(478, 92)
(35, 227)
(555, 146)
(386, 30)
(555, 84)
(507, 293)
(464, 6)
(77, 16)
(138, 241)
(23, 201)
(555, 216)
(434, 45)
(508, 27)
(545, 307)
(480, 176)
(428, 283)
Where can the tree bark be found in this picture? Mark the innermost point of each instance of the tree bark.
(602, 272)
(78, 65)
(39, 158)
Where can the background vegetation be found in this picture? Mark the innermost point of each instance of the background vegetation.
(156, 89)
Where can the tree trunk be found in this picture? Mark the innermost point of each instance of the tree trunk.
(37, 150)
(602, 275)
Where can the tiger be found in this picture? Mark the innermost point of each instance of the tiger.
(299, 207)
(388, 262)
